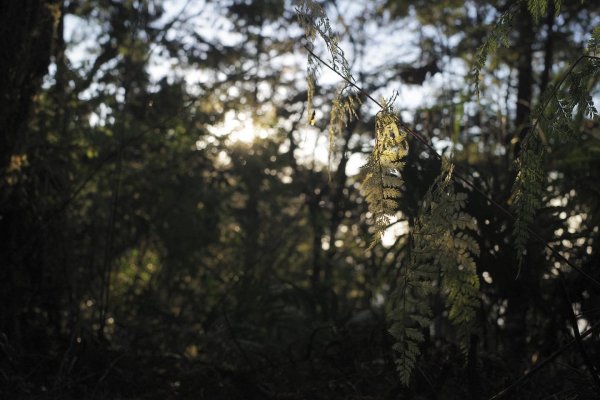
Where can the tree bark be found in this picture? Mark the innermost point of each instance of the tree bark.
(525, 75)
(27, 31)
(548, 48)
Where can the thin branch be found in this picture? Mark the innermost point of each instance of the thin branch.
(541, 365)
(573, 319)
(557, 87)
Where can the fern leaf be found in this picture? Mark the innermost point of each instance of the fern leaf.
(455, 250)
(315, 23)
(594, 43)
(498, 36)
(409, 317)
(343, 110)
(557, 121)
(382, 182)
(441, 242)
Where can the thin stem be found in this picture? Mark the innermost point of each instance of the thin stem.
(557, 87)
(542, 364)
(573, 319)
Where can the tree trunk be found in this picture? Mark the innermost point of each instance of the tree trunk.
(548, 48)
(525, 75)
(27, 30)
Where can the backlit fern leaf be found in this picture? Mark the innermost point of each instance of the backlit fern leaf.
(343, 110)
(498, 36)
(527, 191)
(555, 122)
(441, 243)
(539, 8)
(382, 182)
(452, 248)
(594, 43)
(315, 23)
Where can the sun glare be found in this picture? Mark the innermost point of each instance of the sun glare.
(396, 229)
(238, 127)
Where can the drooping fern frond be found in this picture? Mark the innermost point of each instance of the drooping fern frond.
(410, 315)
(441, 246)
(447, 231)
(315, 23)
(539, 8)
(556, 121)
(382, 182)
(527, 191)
(343, 110)
(498, 36)
(594, 42)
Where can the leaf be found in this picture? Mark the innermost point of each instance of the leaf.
(382, 182)
(441, 246)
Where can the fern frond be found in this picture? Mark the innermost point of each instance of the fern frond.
(315, 23)
(441, 243)
(410, 315)
(454, 250)
(594, 43)
(310, 92)
(539, 8)
(382, 182)
(497, 37)
(527, 191)
(343, 110)
(557, 121)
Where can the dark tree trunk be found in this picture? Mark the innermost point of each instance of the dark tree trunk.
(519, 297)
(27, 30)
(525, 75)
(548, 48)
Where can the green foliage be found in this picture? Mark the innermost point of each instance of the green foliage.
(410, 315)
(594, 42)
(441, 247)
(527, 191)
(539, 8)
(315, 23)
(497, 37)
(383, 181)
(556, 121)
(343, 110)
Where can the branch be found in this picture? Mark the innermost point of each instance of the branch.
(573, 319)
(557, 87)
(541, 365)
